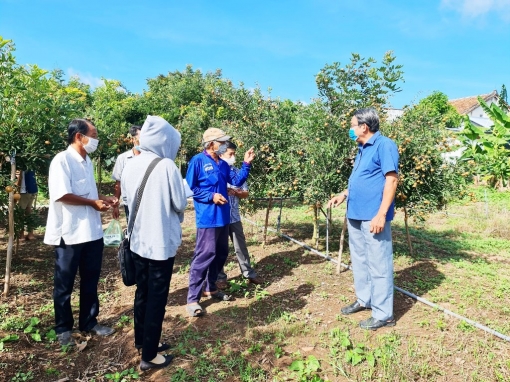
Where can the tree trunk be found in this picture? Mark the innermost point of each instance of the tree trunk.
(406, 218)
(341, 248)
(11, 231)
(269, 204)
(315, 236)
(328, 219)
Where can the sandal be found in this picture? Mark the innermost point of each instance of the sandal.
(194, 310)
(222, 284)
(219, 295)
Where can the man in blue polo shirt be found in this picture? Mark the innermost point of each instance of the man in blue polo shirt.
(370, 208)
(207, 177)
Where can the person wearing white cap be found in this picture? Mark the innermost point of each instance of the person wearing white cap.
(208, 176)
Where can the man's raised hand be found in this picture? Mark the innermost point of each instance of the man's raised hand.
(249, 155)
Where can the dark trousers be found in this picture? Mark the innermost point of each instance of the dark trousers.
(126, 210)
(87, 258)
(152, 286)
(211, 252)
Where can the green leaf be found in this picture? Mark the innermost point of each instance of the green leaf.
(297, 366)
(3, 42)
(346, 342)
(36, 336)
(356, 358)
(370, 359)
(10, 337)
(312, 363)
(34, 321)
(51, 335)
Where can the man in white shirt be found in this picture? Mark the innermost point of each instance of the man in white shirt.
(74, 228)
(120, 163)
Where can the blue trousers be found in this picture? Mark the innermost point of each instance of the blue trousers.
(152, 286)
(211, 251)
(87, 258)
(372, 267)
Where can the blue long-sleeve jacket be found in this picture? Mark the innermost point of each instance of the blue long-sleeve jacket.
(205, 177)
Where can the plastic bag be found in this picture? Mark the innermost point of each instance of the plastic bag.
(113, 234)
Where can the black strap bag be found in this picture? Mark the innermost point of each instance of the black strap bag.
(126, 261)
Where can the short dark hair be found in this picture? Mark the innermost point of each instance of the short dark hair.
(134, 129)
(231, 145)
(369, 117)
(78, 125)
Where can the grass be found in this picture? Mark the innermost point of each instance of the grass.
(290, 327)
(461, 259)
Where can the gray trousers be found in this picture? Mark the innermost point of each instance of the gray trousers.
(372, 267)
(243, 257)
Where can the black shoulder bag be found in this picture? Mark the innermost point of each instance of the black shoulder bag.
(127, 264)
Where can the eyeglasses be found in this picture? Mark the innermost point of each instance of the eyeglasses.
(352, 127)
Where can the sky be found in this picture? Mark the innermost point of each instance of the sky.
(458, 47)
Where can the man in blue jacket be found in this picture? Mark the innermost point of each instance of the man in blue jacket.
(208, 176)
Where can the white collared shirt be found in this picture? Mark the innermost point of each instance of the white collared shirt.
(120, 163)
(71, 174)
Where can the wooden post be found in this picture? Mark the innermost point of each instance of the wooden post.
(406, 218)
(315, 235)
(269, 204)
(11, 229)
(341, 248)
(328, 219)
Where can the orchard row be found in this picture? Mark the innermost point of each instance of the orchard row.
(303, 150)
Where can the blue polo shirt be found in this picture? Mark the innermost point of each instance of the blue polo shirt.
(374, 160)
(205, 177)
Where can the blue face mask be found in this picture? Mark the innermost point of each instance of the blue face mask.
(352, 134)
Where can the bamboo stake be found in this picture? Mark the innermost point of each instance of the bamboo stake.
(316, 226)
(328, 219)
(269, 204)
(341, 249)
(326, 216)
(406, 217)
(11, 229)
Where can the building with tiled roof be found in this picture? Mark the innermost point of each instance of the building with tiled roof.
(471, 107)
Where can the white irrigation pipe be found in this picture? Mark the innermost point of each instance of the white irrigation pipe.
(417, 298)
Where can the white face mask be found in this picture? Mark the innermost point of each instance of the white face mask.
(230, 160)
(91, 145)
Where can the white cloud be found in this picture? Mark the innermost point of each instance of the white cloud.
(86, 78)
(478, 8)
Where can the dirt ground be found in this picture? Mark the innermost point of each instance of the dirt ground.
(301, 304)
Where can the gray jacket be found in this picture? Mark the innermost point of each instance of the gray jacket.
(157, 229)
